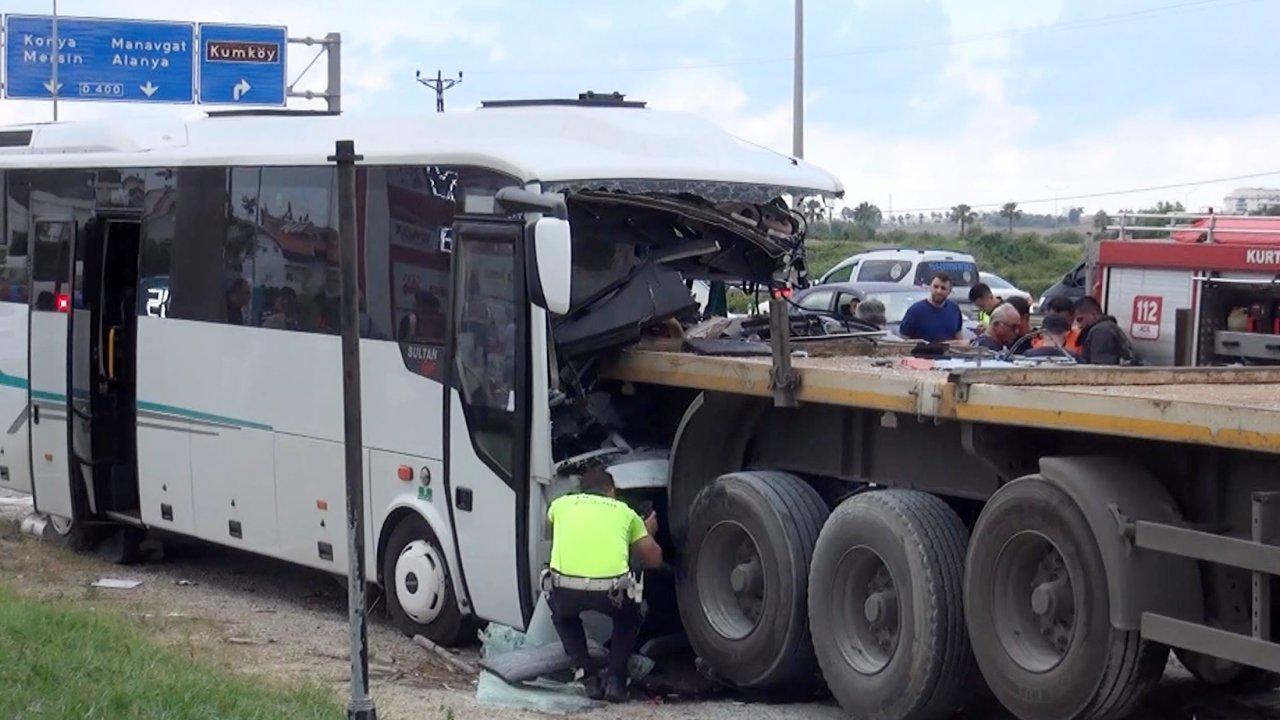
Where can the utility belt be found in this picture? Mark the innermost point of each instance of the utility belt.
(618, 587)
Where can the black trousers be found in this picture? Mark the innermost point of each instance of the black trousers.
(567, 607)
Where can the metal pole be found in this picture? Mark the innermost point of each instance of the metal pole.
(361, 705)
(785, 381)
(333, 51)
(797, 100)
(56, 52)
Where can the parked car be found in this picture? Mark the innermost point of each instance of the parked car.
(1070, 286)
(904, 267)
(1003, 289)
(832, 298)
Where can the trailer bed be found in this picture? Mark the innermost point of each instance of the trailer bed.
(1221, 407)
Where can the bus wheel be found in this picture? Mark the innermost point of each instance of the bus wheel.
(419, 591)
(1039, 615)
(885, 606)
(744, 577)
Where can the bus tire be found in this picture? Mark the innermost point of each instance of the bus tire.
(420, 594)
(1038, 610)
(885, 607)
(744, 578)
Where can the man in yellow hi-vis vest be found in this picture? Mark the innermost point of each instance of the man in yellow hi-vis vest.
(594, 538)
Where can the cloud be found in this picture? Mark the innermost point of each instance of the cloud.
(974, 164)
(685, 8)
(976, 74)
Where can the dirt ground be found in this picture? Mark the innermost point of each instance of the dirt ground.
(286, 622)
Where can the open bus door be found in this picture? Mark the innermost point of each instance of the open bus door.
(51, 293)
(487, 458)
(103, 334)
(82, 339)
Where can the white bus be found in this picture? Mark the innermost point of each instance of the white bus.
(169, 349)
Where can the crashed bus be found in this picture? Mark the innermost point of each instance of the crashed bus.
(171, 360)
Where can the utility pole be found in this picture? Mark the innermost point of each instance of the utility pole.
(360, 705)
(439, 84)
(797, 100)
(56, 52)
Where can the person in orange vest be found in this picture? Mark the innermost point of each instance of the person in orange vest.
(1064, 307)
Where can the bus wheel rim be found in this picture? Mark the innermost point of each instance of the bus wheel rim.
(869, 610)
(1034, 602)
(731, 583)
(420, 582)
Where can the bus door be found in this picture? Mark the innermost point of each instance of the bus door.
(51, 269)
(487, 422)
(103, 345)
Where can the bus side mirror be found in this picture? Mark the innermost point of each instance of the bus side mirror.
(553, 256)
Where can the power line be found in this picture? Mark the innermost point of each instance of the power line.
(923, 45)
(1108, 193)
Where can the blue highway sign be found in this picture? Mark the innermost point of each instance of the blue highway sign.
(242, 64)
(100, 59)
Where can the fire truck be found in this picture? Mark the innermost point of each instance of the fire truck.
(1193, 289)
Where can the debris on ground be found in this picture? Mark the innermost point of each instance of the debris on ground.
(455, 663)
(531, 671)
(116, 583)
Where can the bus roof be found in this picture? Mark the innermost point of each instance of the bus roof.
(555, 144)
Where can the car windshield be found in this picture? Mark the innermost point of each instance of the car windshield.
(896, 303)
(962, 272)
(995, 281)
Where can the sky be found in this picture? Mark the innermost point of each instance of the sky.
(915, 105)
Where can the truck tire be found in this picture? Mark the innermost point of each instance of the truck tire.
(421, 599)
(744, 577)
(885, 606)
(1038, 611)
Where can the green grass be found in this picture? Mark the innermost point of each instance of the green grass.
(58, 661)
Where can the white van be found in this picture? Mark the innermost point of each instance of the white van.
(904, 267)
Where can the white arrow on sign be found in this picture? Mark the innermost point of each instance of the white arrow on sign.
(239, 89)
(149, 89)
(48, 85)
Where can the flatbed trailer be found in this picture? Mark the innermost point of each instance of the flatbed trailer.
(1064, 526)
(1223, 407)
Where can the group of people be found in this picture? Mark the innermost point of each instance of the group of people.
(1078, 329)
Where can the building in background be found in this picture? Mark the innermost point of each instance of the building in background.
(1243, 201)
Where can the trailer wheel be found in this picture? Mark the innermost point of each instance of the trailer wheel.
(1038, 611)
(744, 578)
(888, 626)
(419, 589)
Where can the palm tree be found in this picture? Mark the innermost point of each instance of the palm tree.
(962, 214)
(867, 215)
(1011, 212)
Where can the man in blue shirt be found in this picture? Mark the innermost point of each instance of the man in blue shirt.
(935, 319)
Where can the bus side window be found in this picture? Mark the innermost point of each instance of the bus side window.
(17, 219)
(296, 262)
(407, 239)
